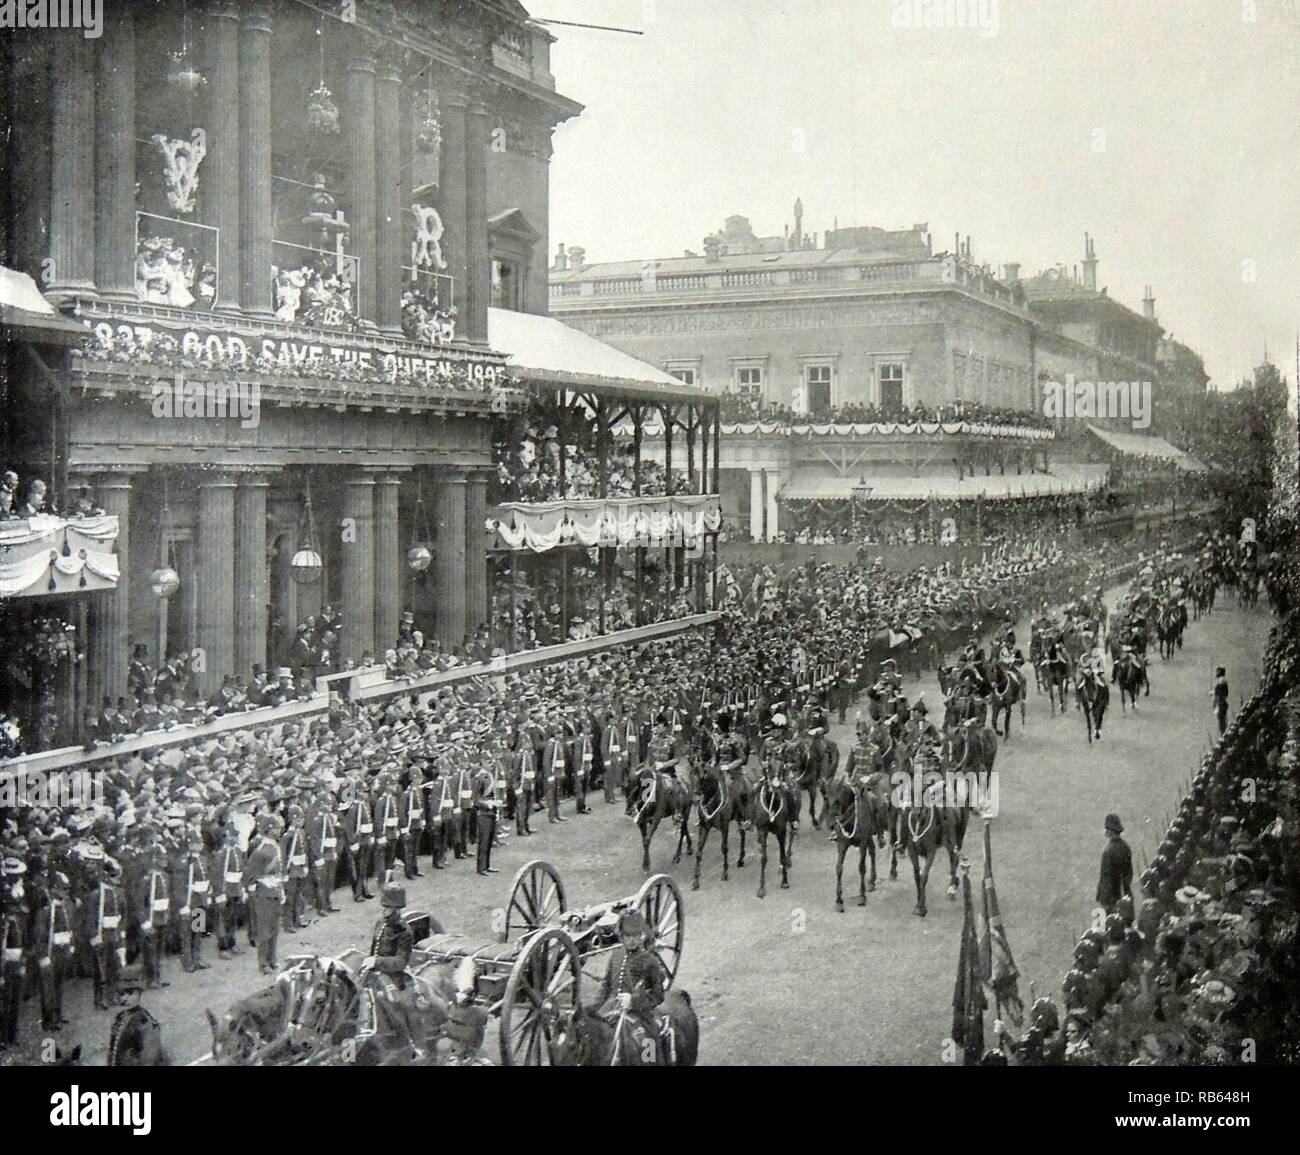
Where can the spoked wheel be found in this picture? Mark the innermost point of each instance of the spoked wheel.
(536, 899)
(541, 995)
(660, 901)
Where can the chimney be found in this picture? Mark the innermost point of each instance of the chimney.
(576, 255)
(956, 244)
(1011, 273)
(561, 260)
(1149, 305)
(1089, 264)
(797, 239)
(712, 249)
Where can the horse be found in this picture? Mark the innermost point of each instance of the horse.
(855, 817)
(925, 825)
(819, 756)
(774, 809)
(658, 796)
(1093, 696)
(979, 750)
(719, 797)
(1057, 676)
(1169, 629)
(1129, 674)
(136, 1040)
(1007, 691)
(587, 1039)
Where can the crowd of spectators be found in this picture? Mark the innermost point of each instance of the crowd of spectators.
(738, 408)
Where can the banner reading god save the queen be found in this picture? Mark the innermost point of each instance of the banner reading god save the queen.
(614, 521)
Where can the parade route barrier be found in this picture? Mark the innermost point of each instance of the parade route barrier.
(67, 757)
(372, 683)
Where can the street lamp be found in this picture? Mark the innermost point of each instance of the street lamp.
(861, 492)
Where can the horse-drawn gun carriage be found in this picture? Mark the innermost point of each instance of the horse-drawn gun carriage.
(327, 1011)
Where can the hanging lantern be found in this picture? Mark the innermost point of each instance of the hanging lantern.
(322, 112)
(305, 567)
(164, 581)
(419, 558)
(183, 73)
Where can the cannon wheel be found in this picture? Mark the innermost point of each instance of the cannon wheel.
(660, 901)
(542, 991)
(536, 899)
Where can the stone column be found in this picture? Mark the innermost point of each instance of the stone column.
(356, 547)
(72, 176)
(756, 504)
(250, 573)
(388, 562)
(255, 159)
(449, 559)
(359, 128)
(476, 560)
(451, 202)
(110, 633)
(388, 185)
(221, 169)
(215, 578)
(115, 159)
(479, 283)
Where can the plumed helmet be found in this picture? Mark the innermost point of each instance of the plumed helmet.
(393, 896)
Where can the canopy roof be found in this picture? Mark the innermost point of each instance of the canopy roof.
(545, 350)
(815, 483)
(23, 308)
(1140, 445)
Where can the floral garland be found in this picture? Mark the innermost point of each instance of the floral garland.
(50, 643)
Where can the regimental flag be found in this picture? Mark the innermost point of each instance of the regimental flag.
(997, 966)
(968, 1001)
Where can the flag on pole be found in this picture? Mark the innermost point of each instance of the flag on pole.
(997, 966)
(968, 1001)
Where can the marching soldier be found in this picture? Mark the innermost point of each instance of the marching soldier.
(485, 804)
(228, 870)
(359, 827)
(322, 855)
(191, 889)
(462, 812)
(295, 846)
(525, 781)
(264, 879)
(99, 926)
(387, 823)
(614, 750)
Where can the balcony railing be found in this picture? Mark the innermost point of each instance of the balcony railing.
(314, 287)
(176, 262)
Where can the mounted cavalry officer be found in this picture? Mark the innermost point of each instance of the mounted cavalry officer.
(633, 988)
(390, 955)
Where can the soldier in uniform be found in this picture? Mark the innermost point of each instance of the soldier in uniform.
(359, 827)
(322, 854)
(554, 762)
(1116, 866)
(191, 893)
(636, 981)
(584, 760)
(99, 922)
(51, 946)
(485, 806)
(525, 782)
(264, 879)
(387, 822)
(228, 872)
(614, 751)
(412, 819)
(390, 955)
(151, 908)
(13, 946)
(135, 1039)
(295, 846)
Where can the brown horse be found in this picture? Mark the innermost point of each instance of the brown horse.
(719, 798)
(819, 757)
(1007, 691)
(1056, 676)
(1129, 675)
(972, 749)
(656, 796)
(774, 809)
(1093, 696)
(855, 817)
(587, 1039)
(926, 824)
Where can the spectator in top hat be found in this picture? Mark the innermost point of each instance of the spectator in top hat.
(1116, 866)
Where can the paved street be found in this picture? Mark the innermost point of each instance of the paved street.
(787, 979)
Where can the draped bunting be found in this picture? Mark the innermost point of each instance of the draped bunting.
(614, 521)
(45, 555)
(863, 429)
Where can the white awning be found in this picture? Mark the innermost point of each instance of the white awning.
(1141, 445)
(22, 307)
(816, 484)
(542, 348)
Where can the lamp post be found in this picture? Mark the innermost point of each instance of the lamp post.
(861, 492)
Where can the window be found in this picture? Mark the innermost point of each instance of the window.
(507, 286)
(819, 388)
(890, 376)
(749, 381)
(685, 375)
